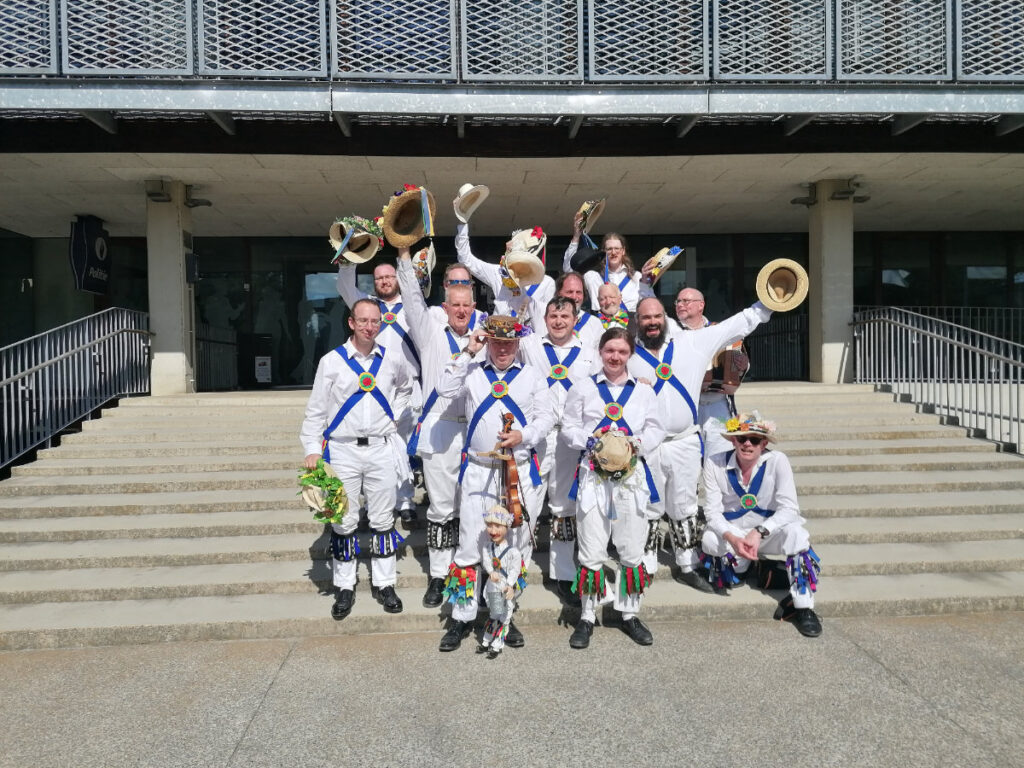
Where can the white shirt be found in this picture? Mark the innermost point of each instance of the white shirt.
(507, 301)
(585, 409)
(529, 391)
(632, 291)
(777, 492)
(691, 353)
(433, 337)
(533, 351)
(335, 382)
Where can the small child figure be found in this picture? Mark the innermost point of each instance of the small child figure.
(506, 579)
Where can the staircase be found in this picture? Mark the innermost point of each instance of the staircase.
(176, 518)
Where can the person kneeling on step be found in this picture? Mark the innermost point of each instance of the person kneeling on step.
(752, 510)
(506, 579)
(350, 416)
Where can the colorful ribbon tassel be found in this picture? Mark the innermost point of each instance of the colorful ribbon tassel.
(721, 570)
(589, 582)
(460, 586)
(635, 579)
(521, 581)
(804, 569)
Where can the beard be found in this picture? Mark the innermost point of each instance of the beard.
(653, 342)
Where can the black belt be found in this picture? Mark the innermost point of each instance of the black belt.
(362, 441)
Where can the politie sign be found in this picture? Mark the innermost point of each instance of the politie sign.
(90, 259)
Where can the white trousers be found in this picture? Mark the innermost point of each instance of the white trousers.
(406, 424)
(478, 493)
(628, 532)
(440, 475)
(369, 470)
(676, 470)
(558, 470)
(787, 540)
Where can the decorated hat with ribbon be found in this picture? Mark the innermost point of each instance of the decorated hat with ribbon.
(423, 263)
(750, 424)
(504, 327)
(661, 262)
(409, 216)
(355, 238)
(324, 492)
(613, 452)
(498, 514)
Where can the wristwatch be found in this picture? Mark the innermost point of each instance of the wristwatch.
(763, 531)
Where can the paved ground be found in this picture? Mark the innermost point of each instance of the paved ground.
(922, 691)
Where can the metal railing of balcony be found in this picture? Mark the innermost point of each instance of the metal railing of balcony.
(509, 41)
(52, 380)
(973, 379)
(778, 349)
(216, 358)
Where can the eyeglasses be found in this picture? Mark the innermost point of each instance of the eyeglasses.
(752, 439)
(688, 301)
(458, 282)
(363, 322)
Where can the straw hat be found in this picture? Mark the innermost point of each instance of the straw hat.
(523, 268)
(782, 285)
(591, 210)
(750, 424)
(355, 238)
(316, 497)
(406, 219)
(662, 261)
(469, 199)
(531, 241)
(498, 514)
(614, 454)
(504, 327)
(423, 263)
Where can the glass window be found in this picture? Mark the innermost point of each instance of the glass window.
(976, 270)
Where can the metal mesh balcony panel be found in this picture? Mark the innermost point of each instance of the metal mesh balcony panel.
(894, 40)
(138, 37)
(394, 39)
(274, 38)
(633, 40)
(772, 39)
(28, 42)
(518, 40)
(991, 35)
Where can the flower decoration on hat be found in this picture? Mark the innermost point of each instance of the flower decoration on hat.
(323, 491)
(750, 424)
(366, 225)
(505, 327)
(612, 452)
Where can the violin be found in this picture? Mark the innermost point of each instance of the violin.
(511, 498)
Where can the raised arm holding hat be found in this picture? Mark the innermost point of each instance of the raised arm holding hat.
(615, 267)
(752, 510)
(676, 365)
(496, 384)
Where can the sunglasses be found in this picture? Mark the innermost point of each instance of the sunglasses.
(458, 282)
(749, 439)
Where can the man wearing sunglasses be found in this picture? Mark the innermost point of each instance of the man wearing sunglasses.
(752, 510)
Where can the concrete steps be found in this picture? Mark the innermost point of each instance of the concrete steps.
(177, 518)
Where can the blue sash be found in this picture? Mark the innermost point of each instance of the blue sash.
(565, 364)
(514, 409)
(584, 318)
(755, 486)
(414, 439)
(622, 285)
(663, 372)
(367, 380)
(394, 326)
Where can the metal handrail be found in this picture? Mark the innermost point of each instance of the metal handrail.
(971, 378)
(56, 378)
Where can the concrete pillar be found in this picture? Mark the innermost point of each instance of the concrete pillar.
(830, 246)
(171, 302)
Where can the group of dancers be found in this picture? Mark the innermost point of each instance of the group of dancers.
(608, 418)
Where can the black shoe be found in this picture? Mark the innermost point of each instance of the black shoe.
(580, 637)
(343, 604)
(514, 638)
(493, 654)
(434, 594)
(637, 632)
(570, 598)
(692, 579)
(453, 637)
(407, 515)
(806, 622)
(387, 597)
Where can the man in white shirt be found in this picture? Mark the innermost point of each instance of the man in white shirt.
(498, 385)
(587, 328)
(752, 510)
(351, 422)
(566, 360)
(394, 333)
(675, 366)
(440, 431)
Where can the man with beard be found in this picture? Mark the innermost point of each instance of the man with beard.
(722, 378)
(675, 365)
(566, 360)
(394, 334)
